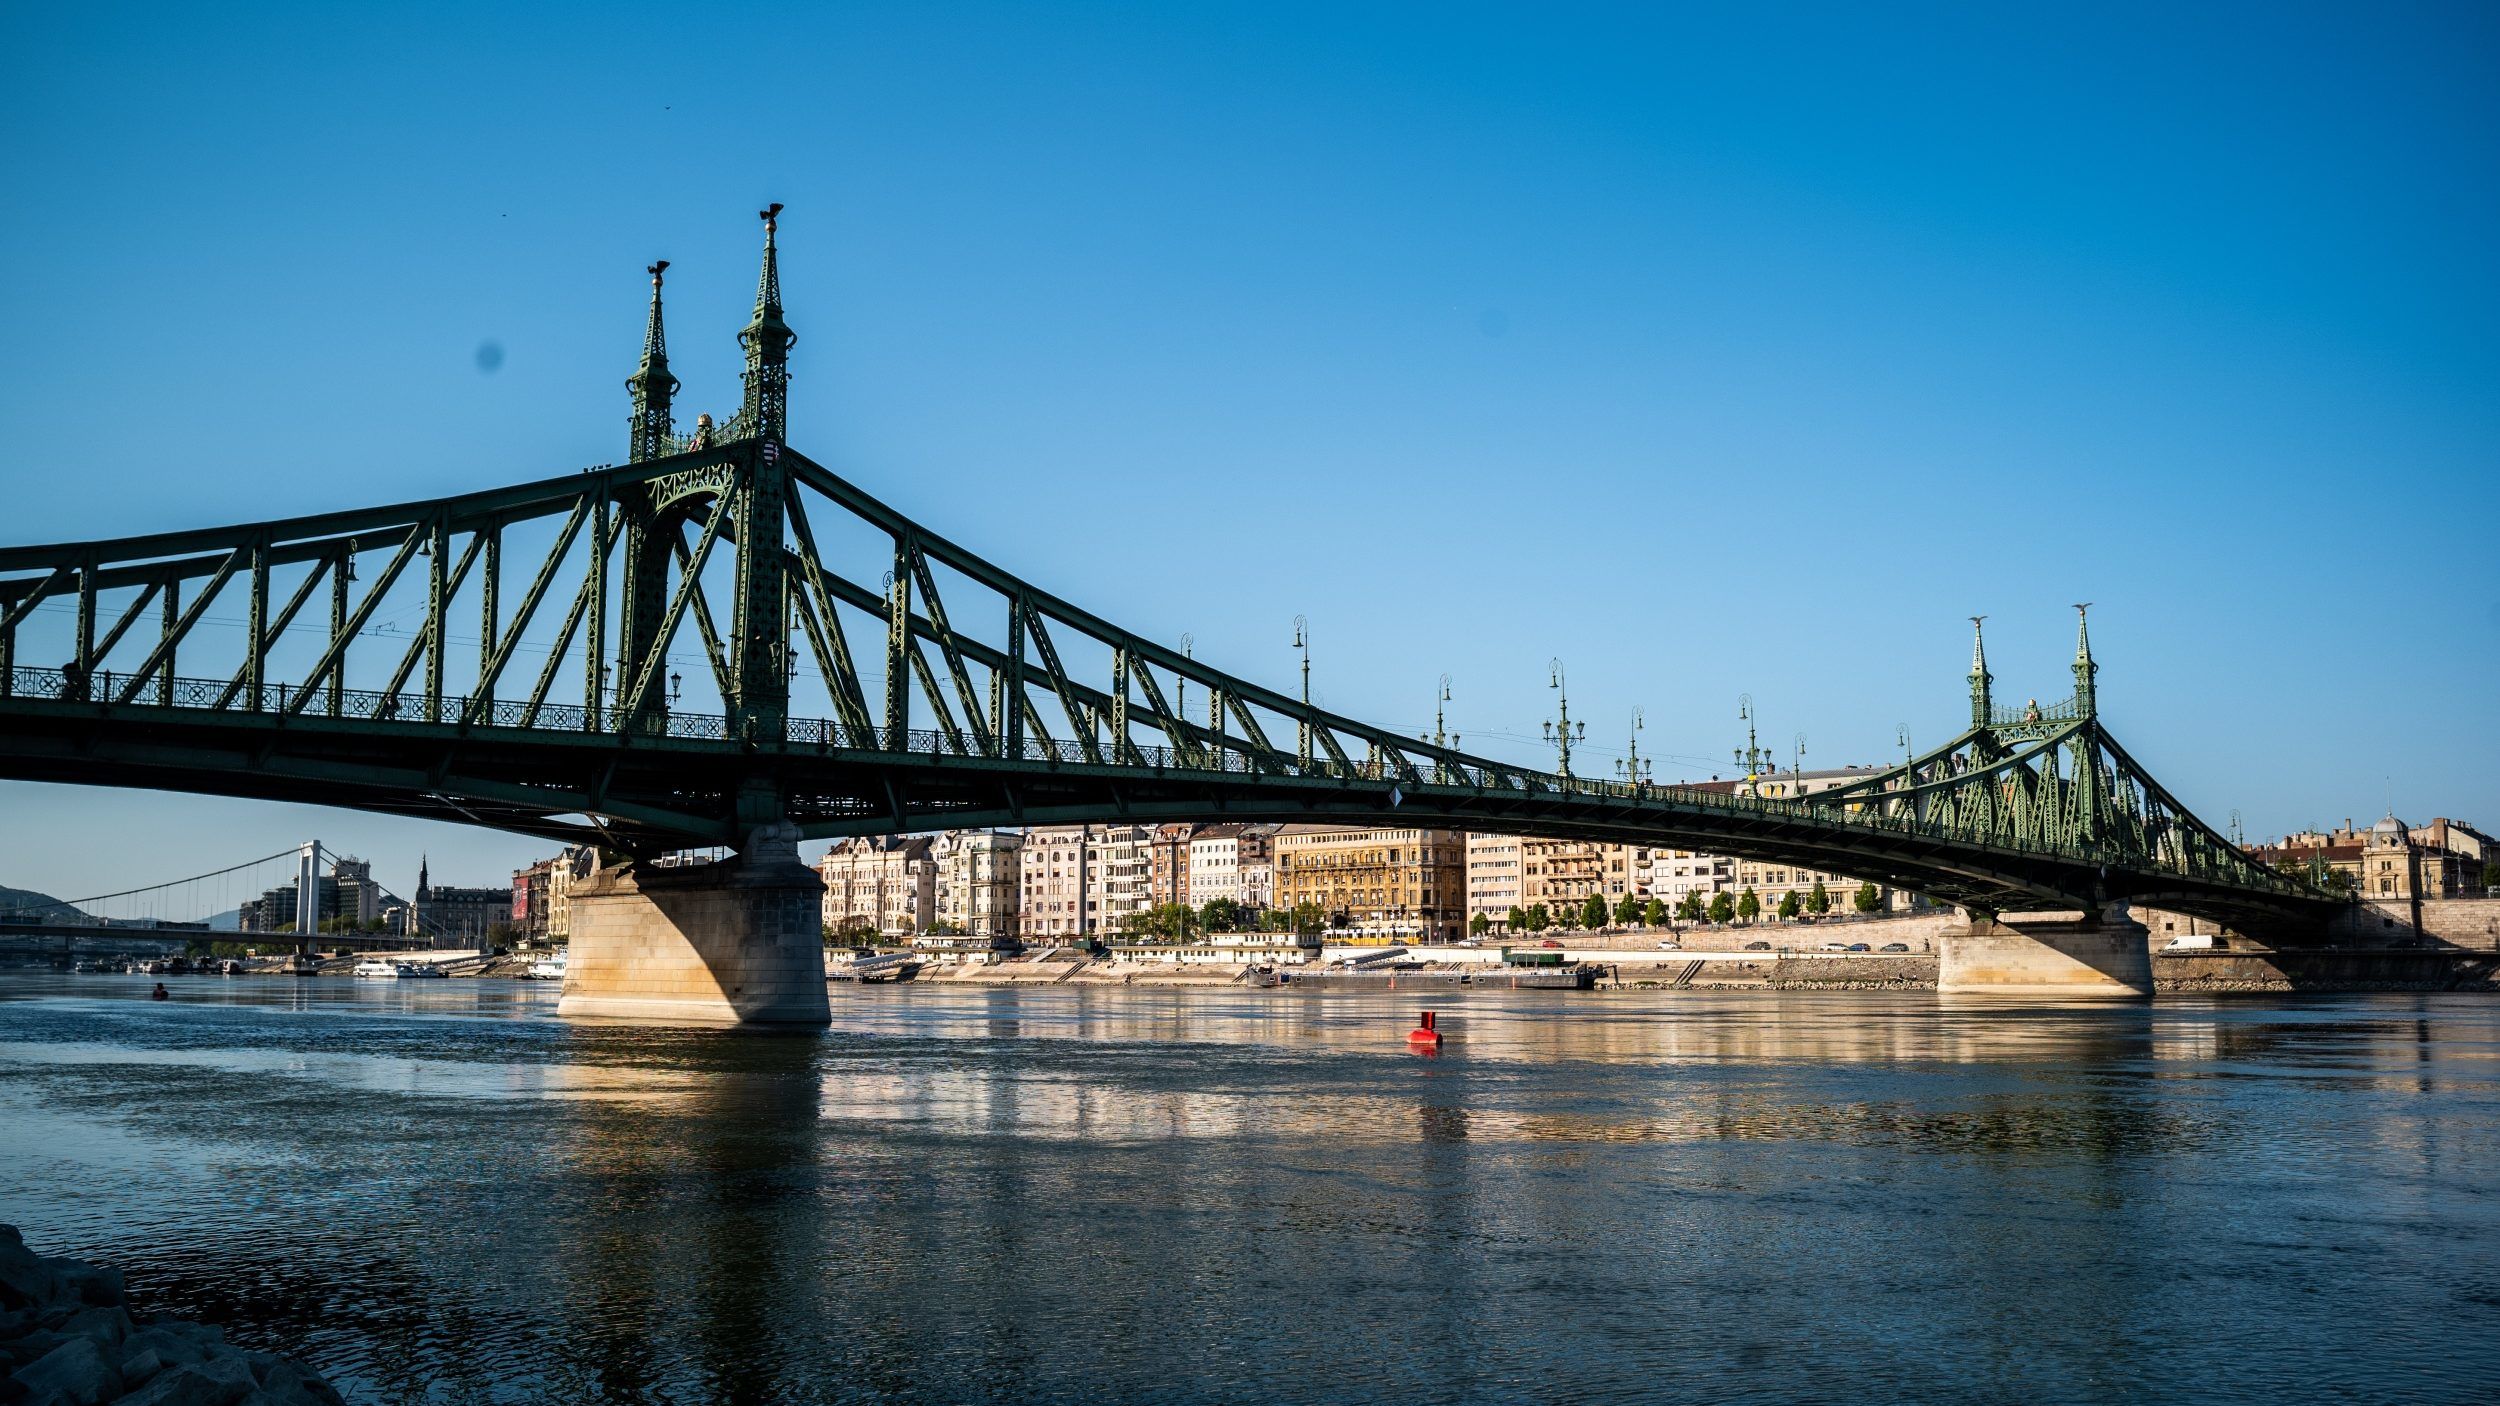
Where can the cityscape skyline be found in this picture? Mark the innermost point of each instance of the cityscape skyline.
(1459, 391)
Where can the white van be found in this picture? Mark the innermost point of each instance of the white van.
(2193, 942)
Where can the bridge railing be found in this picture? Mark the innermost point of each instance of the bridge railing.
(1230, 756)
(2065, 710)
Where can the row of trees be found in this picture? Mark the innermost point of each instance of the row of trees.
(1650, 912)
(1178, 922)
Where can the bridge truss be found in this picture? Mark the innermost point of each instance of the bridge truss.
(723, 633)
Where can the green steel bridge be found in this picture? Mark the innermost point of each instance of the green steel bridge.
(856, 673)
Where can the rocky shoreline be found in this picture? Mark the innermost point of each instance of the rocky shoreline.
(68, 1338)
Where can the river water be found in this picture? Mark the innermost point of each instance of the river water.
(435, 1191)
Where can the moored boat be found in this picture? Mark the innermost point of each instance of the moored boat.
(374, 966)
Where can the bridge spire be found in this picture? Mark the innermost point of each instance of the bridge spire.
(651, 425)
(767, 340)
(1980, 678)
(2085, 670)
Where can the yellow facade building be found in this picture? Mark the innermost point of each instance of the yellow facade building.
(1375, 885)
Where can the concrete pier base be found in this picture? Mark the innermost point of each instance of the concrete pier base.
(734, 943)
(2066, 955)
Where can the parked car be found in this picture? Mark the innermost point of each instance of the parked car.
(1669, 944)
(1835, 946)
(1548, 942)
(1894, 947)
(1757, 947)
(1859, 947)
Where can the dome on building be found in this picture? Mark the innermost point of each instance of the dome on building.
(2390, 828)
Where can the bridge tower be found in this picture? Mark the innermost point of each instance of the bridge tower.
(736, 940)
(642, 561)
(1980, 703)
(652, 426)
(759, 661)
(307, 895)
(2086, 758)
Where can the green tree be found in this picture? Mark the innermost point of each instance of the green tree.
(2491, 875)
(1748, 905)
(1628, 911)
(1308, 920)
(1479, 925)
(1865, 899)
(1722, 907)
(1539, 919)
(1654, 913)
(1567, 916)
(1789, 906)
(1593, 912)
(1689, 906)
(1518, 919)
(1819, 899)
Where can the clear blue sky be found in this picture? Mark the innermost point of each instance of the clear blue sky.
(1711, 351)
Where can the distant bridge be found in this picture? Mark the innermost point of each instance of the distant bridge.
(855, 672)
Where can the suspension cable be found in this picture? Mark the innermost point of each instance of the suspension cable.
(151, 888)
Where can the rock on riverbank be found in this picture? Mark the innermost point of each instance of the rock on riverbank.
(67, 1338)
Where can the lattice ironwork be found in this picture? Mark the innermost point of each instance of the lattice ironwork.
(852, 670)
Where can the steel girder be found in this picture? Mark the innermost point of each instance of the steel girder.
(994, 701)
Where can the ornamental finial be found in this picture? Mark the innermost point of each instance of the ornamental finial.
(2087, 694)
(1981, 705)
(653, 387)
(768, 284)
(654, 339)
(767, 339)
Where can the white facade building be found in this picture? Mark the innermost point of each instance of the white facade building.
(886, 884)
(1493, 878)
(978, 882)
(1234, 862)
(1080, 881)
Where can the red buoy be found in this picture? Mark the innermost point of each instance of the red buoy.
(1428, 1033)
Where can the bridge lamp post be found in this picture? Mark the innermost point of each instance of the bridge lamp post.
(1180, 685)
(1302, 641)
(1798, 770)
(1561, 733)
(1750, 758)
(1909, 759)
(1633, 769)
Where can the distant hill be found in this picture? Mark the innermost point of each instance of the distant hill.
(26, 906)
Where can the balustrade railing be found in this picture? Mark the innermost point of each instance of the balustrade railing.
(2065, 710)
(1231, 756)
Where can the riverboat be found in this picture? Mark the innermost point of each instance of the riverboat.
(426, 970)
(372, 966)
(889, 966)
(548, 968)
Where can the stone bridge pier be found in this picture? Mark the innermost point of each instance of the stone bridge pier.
(739, 942)
(2067, 955)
